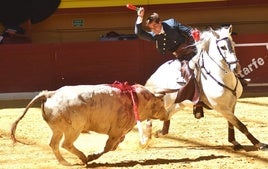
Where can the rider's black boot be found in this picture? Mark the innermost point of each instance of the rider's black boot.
(198, 110)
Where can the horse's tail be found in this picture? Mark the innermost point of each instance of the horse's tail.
(42, 97)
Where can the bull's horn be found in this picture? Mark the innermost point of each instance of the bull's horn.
(159, 95)
(162, 92)
(165, 91)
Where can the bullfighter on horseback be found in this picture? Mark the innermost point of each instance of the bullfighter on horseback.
(176, 38)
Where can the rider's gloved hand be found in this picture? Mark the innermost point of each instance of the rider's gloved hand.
(140, 13)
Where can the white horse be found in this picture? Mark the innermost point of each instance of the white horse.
(214, 69)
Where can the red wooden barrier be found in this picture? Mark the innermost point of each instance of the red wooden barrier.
(252, 51)
(35, 67)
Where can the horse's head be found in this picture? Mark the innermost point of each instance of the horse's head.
(219, 43)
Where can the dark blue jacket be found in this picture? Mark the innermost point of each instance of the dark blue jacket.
(175, 34)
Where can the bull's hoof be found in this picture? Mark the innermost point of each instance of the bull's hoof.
(92, 157)
(84, 160)
(144, 145)
(65, 163)
(263, 147)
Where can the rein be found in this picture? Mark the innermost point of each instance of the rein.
(217, 63)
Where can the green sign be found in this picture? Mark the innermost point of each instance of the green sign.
(78, 22)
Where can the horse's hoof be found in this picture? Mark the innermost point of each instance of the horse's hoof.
(198, 116)
(198, 111)
(263, 147)
(159, 133)
(238, 147)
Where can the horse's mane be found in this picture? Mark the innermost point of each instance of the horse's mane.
(207, 35)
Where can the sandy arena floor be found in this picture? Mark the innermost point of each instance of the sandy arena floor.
(190, 144)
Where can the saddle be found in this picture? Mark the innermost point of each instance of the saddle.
(190, 91)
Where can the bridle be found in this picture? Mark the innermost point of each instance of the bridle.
(225, 71)
(229, 47)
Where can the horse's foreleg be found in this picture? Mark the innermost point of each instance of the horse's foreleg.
(231, 137)
(164, 130)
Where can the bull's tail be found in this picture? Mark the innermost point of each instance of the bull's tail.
(42, 97)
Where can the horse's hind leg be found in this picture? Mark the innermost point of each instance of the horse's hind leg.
(241, 127)
(231, 137)
(54, 144)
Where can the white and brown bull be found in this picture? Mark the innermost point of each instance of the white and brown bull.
(103, 108)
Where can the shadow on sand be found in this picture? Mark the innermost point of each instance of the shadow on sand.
(157, 161)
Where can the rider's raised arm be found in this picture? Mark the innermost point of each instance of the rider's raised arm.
(138, 27)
